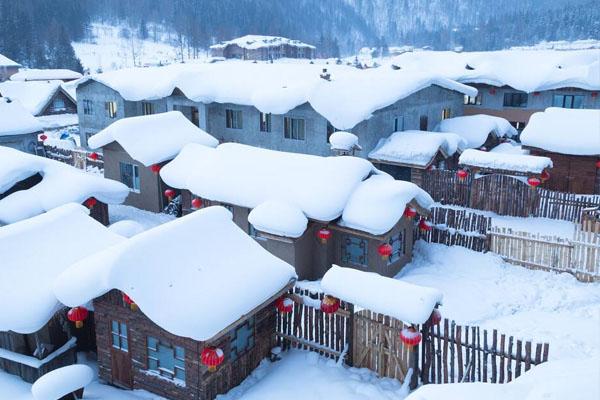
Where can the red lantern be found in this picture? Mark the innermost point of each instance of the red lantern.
(385, 251)
(212, 357)
(462, 174)
(43, 137)
(169, 194)
(424, 226)
(330, 304)
(90, 203)
(534, 182)
(130, 302)
(324, 235)
(492, 91)
(598, 164)
(155, 168)
(594, 94)
(78, 315)
(93, 156)
(536, 93)
(284, 305)
(545, 176)
(196, 203)
(410, 337)
(435, 318)
(410, 212)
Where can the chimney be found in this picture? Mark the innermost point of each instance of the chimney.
(325, 75)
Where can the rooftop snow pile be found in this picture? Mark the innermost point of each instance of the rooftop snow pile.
(503, 161)
(401, 300)
(476, 128)
(416, 148)
(60, 184)
(152, 139)
(45, 75)
(278, 218)
(62, 381)
(206, 269)
(566, 131)
(15, 119)
(7, 62)
(33, 95)
(251, 42)
(345, 141)
(510, 147)
(34, 252)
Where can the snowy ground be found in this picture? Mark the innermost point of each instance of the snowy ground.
(147, 219)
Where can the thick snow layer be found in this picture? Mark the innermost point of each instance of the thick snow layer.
(61, 184)
(45, 75)
(7, 62)
(62, 381)
(34, 252)
(509, 147)
(146, 219)
(126, 228)
(341, 140)
(15, 119)
(416, 148)
(57, 121)
(378, 203)
(34, 96)
(278, 218)
(35, 362)
(566, 131)
(503, 161)
(202, 268)
(252, 42)
(475, 129)
(395, 298)
(151, 139)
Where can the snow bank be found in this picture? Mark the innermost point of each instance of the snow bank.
(62, 381)
(34, 96)
(378, 204)
(475, 129)
(58, 121)
(16, 120)
(401, 300)
(61, 184)
(416, 148)
(45, 75)
(503, 161)
(341, 140)
(190, 262)
(509, 147)
(278, 218)
(34, 252)
(151, 139)
(126, 228)
(566, 131)
(252, 42)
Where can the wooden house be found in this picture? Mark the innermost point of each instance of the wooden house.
(40, 98)
(264, 48)
(183, 310)
(308, 210)
(480, 131)
(8, 68)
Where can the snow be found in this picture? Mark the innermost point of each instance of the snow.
(152, 139)
(36, 362)
(126, 228)
(61, 184)
(15, 119)
(58, 121)
(566, 131)
(504, 161)
(62, 381)
(416, 148)
(475, 129)
(146, 219)
(34, 96)
(278, 218)
(378, 204)
(509, 147)
(7, 62)
(341, 140)
(252, 42)
(202, 268)
(34, 252)
(402, 300)
(25, 74)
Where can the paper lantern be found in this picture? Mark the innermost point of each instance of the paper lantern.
(155, 168)
(93, 156)
(330, 304)
(410, 212)
(545, 176)
(385, 250)
(212, 357)
(424, 226)
(534, 182)
(410, 336)
(43, 137)
(435, 318)
(324, 235)
(90, 203)
(169, 194)
(462, 174)
(196, 203)
(598, 164)
(77, 315)
(284, 305)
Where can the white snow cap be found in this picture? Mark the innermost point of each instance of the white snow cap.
(61, 184)
(34, 96)
(45, 75)
(416, 148)
(193, 276)
(7, 62)
(278, 218)
(34, 252)
(152, 139)
(565, 131)
(126, 228)
(341, 140)
(475, 129)
(261, 41)
(15, 119)
(62, 381)
(398, 299)
(503, 161)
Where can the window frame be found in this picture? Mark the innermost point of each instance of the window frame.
(135, 173)
(347, 257)
(397, 253)
(178, 353)
(571, 97)
(472, 101)
(291, 128)
(446, 113)
(233, 119)
(515, 104)
(399, 127)
(111, 109)
(234, 352)
(147, 108)
(265, 122)
(88, 107)
(121, 335)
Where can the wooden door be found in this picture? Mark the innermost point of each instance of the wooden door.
(121, 367)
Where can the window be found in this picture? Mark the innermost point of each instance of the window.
(165, 359)
(446, 113)
(567, 101)
(241, 339)
(58, 104)
(398, 249)
(265, 122)
(147, 108)
(398, 124)
(118, 332)
(293, 128)
(515, 99)
(87, 107)
(354, 250)
(111, 109)
(130, 176)
(233, 119)
(473, 101)
(423, 123)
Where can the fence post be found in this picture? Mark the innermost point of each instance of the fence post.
(413, 362)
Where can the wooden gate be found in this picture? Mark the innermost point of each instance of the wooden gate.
(503, 194)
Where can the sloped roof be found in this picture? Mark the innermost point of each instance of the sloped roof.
(475, 129)
(35, 95)
(7, 62)
(45, 74)
(15, 119)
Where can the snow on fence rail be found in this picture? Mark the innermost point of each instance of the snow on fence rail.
(79, 158)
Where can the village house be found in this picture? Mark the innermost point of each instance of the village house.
(263, 48)
(483, 132)
(35, 334)
(18, 128)
(134, 149)
(8, 68)
(310, 211)
(177, 312)
(40, 97)
(28, 75)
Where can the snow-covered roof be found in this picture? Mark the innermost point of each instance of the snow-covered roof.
(45, 74)
(34, 252)
(62, 381)
(190, 264)
(351, 96)
(503, 161)
(278, 218)
(509, 147)
(475, 129)
(344, 141)
(416, 148)
(152, 139)
(57, 121)
(251, 42)
(392, 297)
(15, 119)
(61, 184)
(33, 95)
(7, 62)
(566, 131)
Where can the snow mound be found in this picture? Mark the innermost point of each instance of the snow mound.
(278, 218)
(15, 119)
(62, 381)
(45, 75)
(503, 161)
(126, 228)
(509, 147)
(341, 140)
(475, 129)
(34, 96)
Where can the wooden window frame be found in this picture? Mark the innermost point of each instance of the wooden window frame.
(147, 108)
(111, 109)
(234, 119)
(88, 107)
(291, 128)
(121, 337)
(264, 121)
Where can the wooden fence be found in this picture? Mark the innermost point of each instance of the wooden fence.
(78, 158)
(565, 206)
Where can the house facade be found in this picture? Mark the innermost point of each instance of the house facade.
(8, 68)
(263, 48)
(18, 128)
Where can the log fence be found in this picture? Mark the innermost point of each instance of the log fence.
(78, 158)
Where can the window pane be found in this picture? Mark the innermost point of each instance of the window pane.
(354, 250)
(115, 327)
(152, 364)
(152, 343)
(115, 340)
(577, 101)
(179, 353)
(136, 177)
(557, 100)
(180, 374)
(123, 330)
(568, 101)
(124, 343)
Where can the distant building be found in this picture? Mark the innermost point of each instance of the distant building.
(8, 68)
(40, 97)
(64, 75)
(18, 128)
(257, 47)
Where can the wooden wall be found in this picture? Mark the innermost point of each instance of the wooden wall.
(575, 174)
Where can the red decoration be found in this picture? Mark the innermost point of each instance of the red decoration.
(536, 93)
(492, 91)
(462, 174)
(545, 176)
(410, 337)
(130, 302)
(424, 226)
(330, 304)
(90, 203)
(196, 203)
(324, 235)
(93, 156)
(594, 94)
(598, 164)
(284, 305)
(212, 357)
(155, 168)
(169, 194)
(385, 251)
(534, 182)
(78, 315)
(435, 318)
(43, 137)
(410, 212)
